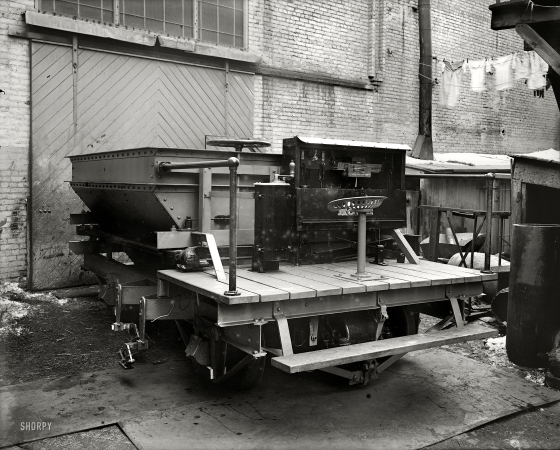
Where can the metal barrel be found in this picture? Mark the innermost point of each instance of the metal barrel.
(533, 315)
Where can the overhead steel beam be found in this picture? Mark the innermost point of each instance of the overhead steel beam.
(508, 15)
(540, 45)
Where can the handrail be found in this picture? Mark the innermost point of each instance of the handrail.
(233, 164)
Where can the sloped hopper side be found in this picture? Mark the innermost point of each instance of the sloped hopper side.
(128, 197)
(136, 214)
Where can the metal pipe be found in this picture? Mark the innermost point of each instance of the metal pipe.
(233, 164)
(489, 207)
(232, 230)
(423, 147)
(500, 231)
(474, 235)
(29, 205)
(461, 176)
(361, 244)
(165, 166)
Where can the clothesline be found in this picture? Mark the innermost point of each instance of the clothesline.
(436, 81)
(506, 70)
(486, 58)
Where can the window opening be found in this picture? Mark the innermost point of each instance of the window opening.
(218, 21)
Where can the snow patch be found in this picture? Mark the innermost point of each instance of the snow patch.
(497, 344)
(10, 313)
(13, 292)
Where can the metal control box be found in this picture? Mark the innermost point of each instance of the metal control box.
(319, 171)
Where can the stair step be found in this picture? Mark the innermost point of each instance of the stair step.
(386, 347)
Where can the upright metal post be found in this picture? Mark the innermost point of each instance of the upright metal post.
(489, 209)
(232, 229)
(361, 244)
(232, 163)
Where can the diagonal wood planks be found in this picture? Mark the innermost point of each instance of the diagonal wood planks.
(122, 102)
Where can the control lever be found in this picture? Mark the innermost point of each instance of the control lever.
(129, 351)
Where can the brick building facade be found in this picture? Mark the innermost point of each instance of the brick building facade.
(14, 142)
(315, 78)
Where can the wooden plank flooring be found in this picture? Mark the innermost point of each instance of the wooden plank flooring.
(320, 288)
(296, 291)
(413, 280)
(435, 278)
(379, 282)
(322, 280)
(315, 273)
(206, 284)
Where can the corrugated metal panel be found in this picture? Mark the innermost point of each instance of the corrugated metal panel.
(122, 102)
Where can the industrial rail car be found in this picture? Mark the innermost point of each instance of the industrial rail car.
(294, 230)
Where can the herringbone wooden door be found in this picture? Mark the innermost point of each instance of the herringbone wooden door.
(121, 102)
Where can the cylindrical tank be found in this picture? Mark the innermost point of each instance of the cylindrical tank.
(533, 315)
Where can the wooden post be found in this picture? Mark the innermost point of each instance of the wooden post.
(489, 210)
(433, 253)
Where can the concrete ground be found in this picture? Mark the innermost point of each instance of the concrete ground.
(44, 336)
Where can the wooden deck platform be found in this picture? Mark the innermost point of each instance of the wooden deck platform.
(323, 280)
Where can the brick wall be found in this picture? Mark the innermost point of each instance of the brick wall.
(291, 107)
(14, 141)
(344, 40)
(503, 122)
(327, 38)
(322, 37)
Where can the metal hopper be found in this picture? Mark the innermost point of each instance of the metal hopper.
(130, 198)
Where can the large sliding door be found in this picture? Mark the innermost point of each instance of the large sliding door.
(108, 102)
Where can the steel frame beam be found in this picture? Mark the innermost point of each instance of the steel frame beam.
(540, 45)
(247, 313)
(509, 14)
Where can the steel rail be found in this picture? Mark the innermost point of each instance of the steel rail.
(233, 164)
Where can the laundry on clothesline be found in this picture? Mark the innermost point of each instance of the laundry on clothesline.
(450, 87)
(503, 66)
(539, 68)
(506, 70)
(522, 66)
(478, 71)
